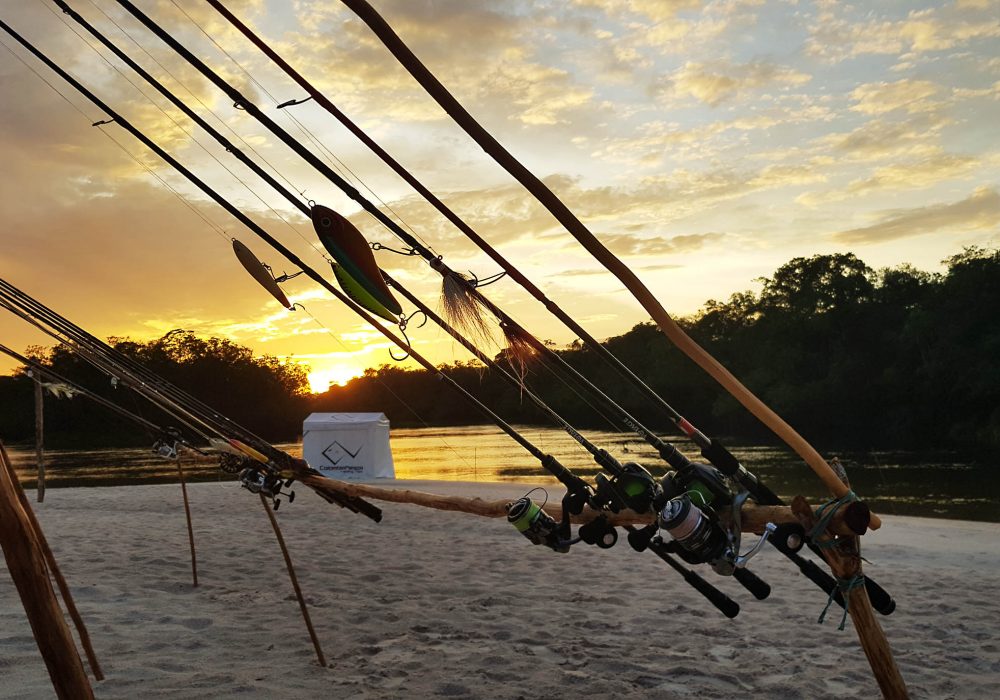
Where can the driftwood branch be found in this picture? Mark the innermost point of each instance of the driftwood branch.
(753, 518)
(27, 567)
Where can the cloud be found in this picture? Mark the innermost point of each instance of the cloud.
(835, 35)
(980, 211)
(715, 82)
(628, 244)
(879, 138)
(911, 96)
(925, 172)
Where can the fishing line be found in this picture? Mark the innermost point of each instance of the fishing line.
(187, 133)
(666, 450)
(42, 78)
(97, 360)
(220, 232)
(190, 92)
(113, 140)
(330, 156)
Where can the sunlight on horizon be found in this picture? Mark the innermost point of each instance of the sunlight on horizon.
(320, 380)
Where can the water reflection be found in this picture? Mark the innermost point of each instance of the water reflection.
(892, 482)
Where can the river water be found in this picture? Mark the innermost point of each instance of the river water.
(900, 483)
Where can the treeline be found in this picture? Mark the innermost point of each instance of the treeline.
(851, 356)
(261, 393)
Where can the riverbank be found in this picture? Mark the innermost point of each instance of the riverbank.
(436, 604)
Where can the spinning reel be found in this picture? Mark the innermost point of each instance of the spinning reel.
(688, 509)
(266, 483)
(166, 446)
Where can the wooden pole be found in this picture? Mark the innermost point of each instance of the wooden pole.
(295, 580)
(753, 517)
(27, 567)
(845, 562)
(187, 513)
(578, 230)
(56, 572)
(39, 437)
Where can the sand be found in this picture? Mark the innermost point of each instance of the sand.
(434, 604)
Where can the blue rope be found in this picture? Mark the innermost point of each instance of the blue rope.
(825, 514)
(845, 586)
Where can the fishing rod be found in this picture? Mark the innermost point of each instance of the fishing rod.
(549, 462)
(508, 267)
(162, 447)
(712, 450)
(664, 449)
(456, 282)
(578, 230)
(120, 366)
(577, 490)
(262, 468)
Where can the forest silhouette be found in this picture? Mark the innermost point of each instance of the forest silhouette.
(851, 356)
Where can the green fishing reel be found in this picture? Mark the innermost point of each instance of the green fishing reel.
(631, 487)
(539, 527)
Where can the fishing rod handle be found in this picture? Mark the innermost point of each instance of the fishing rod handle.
(880, 598)
(723, 603)
(757, 586)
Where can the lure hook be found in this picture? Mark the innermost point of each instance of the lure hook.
(405, 321)
(402, 329)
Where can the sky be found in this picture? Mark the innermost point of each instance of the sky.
(705, 143)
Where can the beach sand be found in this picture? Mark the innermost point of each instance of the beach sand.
(437, 604)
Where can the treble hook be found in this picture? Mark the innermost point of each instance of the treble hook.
(402, 329)
(404, 323)
(292, 103)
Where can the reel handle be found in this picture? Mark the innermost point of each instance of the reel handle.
(753, 583)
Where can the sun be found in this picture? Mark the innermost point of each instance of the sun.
(321, 379)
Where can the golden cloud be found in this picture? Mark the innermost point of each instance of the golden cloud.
(978, 212)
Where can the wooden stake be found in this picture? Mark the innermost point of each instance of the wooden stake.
(845, 562)
(295, 580)
(55, 571)
(187, 512)
(39, 438)
(27, 567)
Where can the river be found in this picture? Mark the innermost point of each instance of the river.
(892, 482)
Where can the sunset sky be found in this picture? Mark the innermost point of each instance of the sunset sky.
(705, 143)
